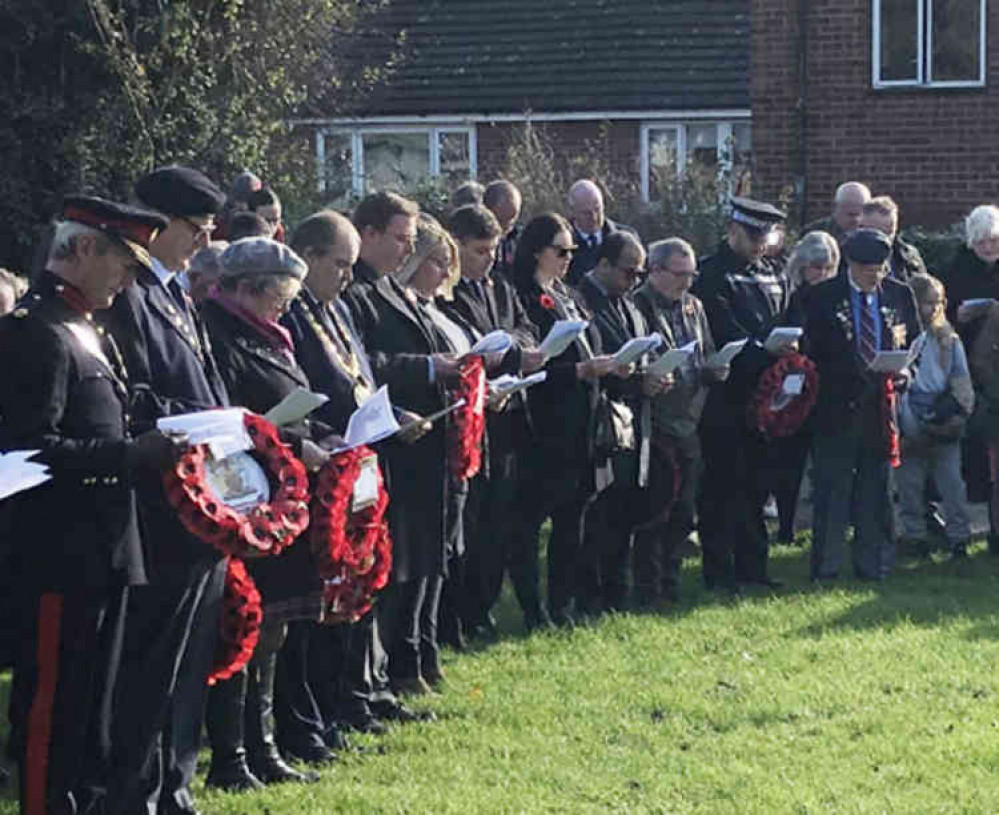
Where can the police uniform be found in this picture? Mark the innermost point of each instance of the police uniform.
(172, 623)
(744, 300)
(74, 541)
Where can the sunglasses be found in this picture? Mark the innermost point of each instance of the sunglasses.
(563, 251)
(200, 230)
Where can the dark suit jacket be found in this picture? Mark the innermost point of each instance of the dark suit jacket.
(170, 371)
(257, 377)
(66, 398)
(844, 382)
(585, 258)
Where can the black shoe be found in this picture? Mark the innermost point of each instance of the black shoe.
(271, 769)
(959, 551)
(336, 739)
(765, 582)
(363, 722)
(401, 714)
(315, 753)
(563, 619)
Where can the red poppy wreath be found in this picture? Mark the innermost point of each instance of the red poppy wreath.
(469, 423)
(265, 529)
(353, 548)
(239, 624)
(773, 410)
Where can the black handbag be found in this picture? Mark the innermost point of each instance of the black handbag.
(613, 428)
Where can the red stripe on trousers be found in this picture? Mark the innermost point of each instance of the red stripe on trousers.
(40, 716)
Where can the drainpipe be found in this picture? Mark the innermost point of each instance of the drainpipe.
(803, 14)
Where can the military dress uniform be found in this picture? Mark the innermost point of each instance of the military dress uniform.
(744, 300)
(74, 541)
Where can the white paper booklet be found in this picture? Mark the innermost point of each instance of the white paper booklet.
(222, 430)
(632, 350)
(17, 474)
(728, 352)
(507, 385)
(780, 336)
(890, 362)
(495, 342)
(672, 359)
(371, 422)
(295, 406)
(561, 336)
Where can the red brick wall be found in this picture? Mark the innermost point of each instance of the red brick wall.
(934, 150)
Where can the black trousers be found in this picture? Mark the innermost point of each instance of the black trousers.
(169, 647)
(297, 713)
(784, 467)
(734, 543)
(409, 610)
(602, 574)
(60, 711)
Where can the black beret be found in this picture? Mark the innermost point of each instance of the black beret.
(179, 191)
(756, 216)
(867, 246)
(130, 227)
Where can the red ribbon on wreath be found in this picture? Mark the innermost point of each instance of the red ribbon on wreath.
(469, 422)
(269, 527)
(777, 414)
(239, 624)
(353, 549)
(889, 411)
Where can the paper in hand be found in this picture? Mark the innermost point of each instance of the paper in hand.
(782, 336)
(633, 349)
(672, 359)
(507, 385)
(561, 336)
(727, 353)
(295, 406)
(222, 430)
(495, 342)
(890, 362)
(17, 474)
(371, 422)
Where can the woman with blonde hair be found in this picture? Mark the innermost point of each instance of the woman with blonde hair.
(932, 415)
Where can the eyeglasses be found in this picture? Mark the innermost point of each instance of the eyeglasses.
(563, 251)
(632, 271)
(199, 230)
(665, 270)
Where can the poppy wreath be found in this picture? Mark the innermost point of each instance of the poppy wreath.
(889, 410)
(239, 624)
(269, 527)
(469, 422)
(786, 421)
(353, 549)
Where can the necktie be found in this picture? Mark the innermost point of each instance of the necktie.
(868, 331)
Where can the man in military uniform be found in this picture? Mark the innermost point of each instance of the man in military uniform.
(745, 294)
(172, 623)
(75, 543)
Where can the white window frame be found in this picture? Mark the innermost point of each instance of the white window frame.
(723, 135)
(924, 52)
(357, 135)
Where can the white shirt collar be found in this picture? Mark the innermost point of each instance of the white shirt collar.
(867, 296)
(163, 274)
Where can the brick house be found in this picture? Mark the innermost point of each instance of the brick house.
(901, 95)
(665, 80)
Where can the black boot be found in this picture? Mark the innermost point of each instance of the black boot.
(224, 721)
(264, 759)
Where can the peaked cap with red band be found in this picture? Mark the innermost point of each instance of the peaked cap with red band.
(130, 227)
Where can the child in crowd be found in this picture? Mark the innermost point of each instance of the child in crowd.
(932, 415)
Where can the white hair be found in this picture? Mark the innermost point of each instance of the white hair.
(982, 223)
(64, 239)
(583, 187)
(844, 190)
(814, 249)
(661, 251)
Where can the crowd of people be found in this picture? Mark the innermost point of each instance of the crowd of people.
(188, 299)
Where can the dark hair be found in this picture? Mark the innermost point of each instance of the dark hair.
(377, 209)
(614, 244)
(468, 193)
(539, 233)
(473, 222)
(264, 197)
(497, 191)
(247, 225)
(319, 232)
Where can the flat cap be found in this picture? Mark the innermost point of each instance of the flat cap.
(261, 256)
(756, 216)
(130, 227)
(867, 246)
(179, 191)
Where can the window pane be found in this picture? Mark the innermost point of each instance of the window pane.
(662, 159)
(702, 144)
(395, 161)
(956, 32)
(899, 40)
(455, 156)
(338, 168)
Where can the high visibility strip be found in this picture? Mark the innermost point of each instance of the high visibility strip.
(40, 716)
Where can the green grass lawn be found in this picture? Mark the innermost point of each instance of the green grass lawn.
(859, 698)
